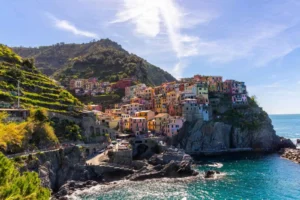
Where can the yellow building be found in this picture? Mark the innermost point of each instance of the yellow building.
(171, 97)
(126, 124)
(151, 125)
(147, 114)
(160, 102)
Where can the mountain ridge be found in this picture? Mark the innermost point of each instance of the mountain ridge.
(103, 59)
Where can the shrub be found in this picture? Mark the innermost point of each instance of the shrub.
(14, 185)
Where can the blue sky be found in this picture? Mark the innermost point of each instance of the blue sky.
(256, 41)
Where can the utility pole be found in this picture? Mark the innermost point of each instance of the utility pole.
(18, 94)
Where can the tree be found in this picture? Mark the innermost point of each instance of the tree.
(73, 132)
(253, 101)
(39, 115)
(14, 185)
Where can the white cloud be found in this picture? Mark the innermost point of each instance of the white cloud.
(155, 17)
(67, 26)
(177, 70)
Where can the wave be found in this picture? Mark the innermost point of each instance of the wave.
(217, 165)
(126, 188)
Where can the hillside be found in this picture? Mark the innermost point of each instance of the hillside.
(103, 59)
(36, 89)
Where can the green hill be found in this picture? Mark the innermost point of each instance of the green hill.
(103, 59)
(36, 89)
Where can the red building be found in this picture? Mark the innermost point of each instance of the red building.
(181, 87)
(122, 84)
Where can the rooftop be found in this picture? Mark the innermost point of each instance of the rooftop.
(161, 115)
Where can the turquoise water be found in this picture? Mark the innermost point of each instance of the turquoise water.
(286, 125)
(260, 176)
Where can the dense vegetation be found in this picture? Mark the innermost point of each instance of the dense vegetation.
(16, 186)
(66, 129)
(36, 89)
(34, 133)
(103, 59)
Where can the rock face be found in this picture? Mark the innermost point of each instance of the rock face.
(199, 136)
(55, 168)
(291, 154)
(286, 143)
(248, 128)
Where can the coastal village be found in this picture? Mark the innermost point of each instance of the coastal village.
(163, 109)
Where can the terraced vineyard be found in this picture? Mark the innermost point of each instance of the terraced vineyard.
(36, 89)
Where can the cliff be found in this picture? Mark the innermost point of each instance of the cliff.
(57, 167)
(239, 129)
(103, 59)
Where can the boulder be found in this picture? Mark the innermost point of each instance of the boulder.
(171, 170)
(286, 143)
(211, 174)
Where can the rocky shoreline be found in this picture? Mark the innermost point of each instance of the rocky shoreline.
(291, 154)
(151, 170)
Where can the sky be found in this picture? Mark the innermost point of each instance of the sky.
(255, 41)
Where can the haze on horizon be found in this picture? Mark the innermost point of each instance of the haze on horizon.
(254, 41)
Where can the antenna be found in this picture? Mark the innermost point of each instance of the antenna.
(18, 94)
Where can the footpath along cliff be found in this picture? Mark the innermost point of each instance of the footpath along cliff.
(237, 129)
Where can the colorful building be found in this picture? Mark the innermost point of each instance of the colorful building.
(173, 126)
(172, 97)
(239, 99)
(160, 120)
(123, 83)
(138, 124)
(175, 109)
(147, 114)
(131, 109)
(192, 110)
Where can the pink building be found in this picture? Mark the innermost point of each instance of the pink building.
(138, 124)
(172, 128)
(232, 86)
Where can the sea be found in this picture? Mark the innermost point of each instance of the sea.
(243, 176)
